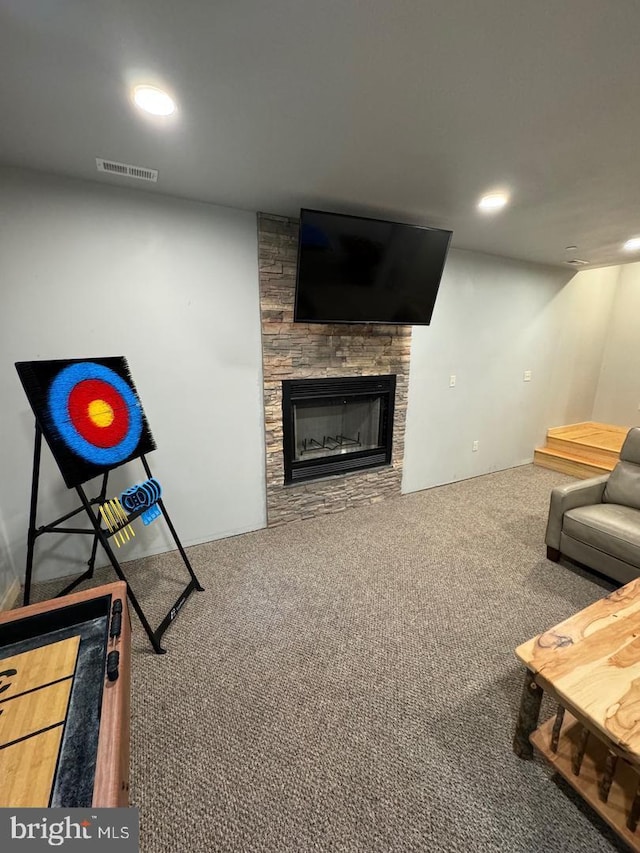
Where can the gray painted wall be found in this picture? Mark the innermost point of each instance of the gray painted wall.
(495, 319)
(90, 270)
(87, 270)
(618, 396)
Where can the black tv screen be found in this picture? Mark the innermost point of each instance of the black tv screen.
(357, 270)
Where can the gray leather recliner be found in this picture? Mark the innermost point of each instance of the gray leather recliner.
(597, 522)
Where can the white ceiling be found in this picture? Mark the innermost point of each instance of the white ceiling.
(406, 109)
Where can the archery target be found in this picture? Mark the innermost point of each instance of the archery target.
(96, 413)
(89, 413)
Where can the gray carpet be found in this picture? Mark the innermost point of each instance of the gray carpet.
(349, 684)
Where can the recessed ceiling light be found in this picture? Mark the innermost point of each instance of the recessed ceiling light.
(492, 202)
(632, 245)
(153, 100)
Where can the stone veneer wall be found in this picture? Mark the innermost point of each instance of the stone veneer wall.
(308, 350)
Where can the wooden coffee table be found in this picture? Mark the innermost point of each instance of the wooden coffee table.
(590, 664)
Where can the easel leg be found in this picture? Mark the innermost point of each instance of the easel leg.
(183, 554)
(172, 529)
(101, 536)
(31, 533)
(86, 576)
(94, 548)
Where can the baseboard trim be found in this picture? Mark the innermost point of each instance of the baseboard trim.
(11, 596)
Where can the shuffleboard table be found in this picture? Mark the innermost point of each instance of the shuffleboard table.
(64, 701)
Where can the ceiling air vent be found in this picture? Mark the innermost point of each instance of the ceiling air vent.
(126, 170)
(577, 262)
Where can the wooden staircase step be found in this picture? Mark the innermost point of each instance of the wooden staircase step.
(572, 464)
(589, 455)
(587, 439)
(582, 450)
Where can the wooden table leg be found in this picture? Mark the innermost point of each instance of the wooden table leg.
(557, 726)
(527, 717)
(634, 813)
(604, 785)
(578, 755)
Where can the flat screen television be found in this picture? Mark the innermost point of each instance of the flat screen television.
(357, 270)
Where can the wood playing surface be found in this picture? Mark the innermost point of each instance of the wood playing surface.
(35, 687)
(591, 661)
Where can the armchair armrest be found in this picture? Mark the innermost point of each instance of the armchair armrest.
(564, 498)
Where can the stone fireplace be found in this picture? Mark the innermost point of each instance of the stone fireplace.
(294, 352)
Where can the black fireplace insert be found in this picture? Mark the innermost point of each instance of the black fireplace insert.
(333, 426)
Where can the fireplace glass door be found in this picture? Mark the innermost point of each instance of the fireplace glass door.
(337, 425)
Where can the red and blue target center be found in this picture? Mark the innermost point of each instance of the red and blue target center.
(98, 412)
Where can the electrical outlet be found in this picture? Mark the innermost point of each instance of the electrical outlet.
(475, 446)
(452, 381)
(527, 376)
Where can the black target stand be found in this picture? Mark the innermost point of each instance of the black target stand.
(100, 535)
